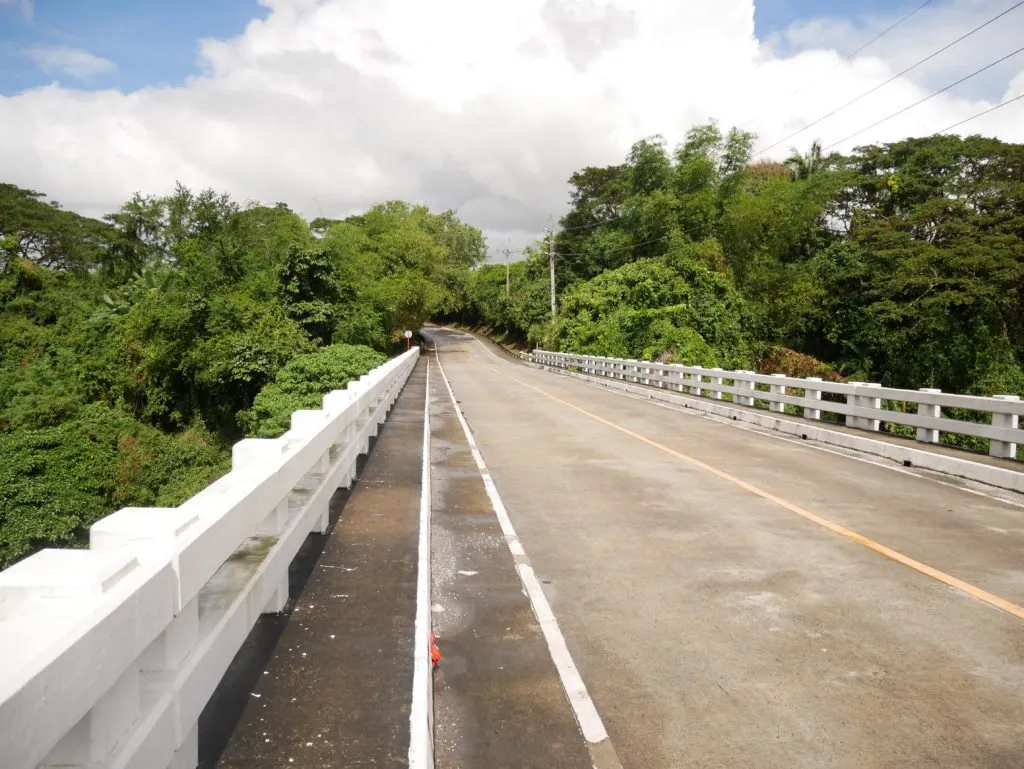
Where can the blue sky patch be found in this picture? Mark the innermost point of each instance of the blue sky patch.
(772, 16)
(124, 44)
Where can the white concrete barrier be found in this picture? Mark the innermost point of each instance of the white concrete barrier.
(108, 655)
(862, 407)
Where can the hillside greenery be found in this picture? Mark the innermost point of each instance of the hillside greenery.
(901, 263)
(136, 348)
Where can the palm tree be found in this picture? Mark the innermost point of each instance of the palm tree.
(802, 166)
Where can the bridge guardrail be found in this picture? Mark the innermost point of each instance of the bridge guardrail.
(862, 407)
(110, 654)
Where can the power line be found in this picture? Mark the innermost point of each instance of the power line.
(926, 98)
(891, 79)
(978, 115)
(846, 57)
(849, 56)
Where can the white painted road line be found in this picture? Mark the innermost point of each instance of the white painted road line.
(421, 714)
(583, 707)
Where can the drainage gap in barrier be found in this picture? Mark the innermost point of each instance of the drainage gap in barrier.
(907, 463)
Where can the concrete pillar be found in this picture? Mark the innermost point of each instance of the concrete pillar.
(1004, 449)
(927, 434)
(863, 401)
(698, 380)
(778, 389)
(813, 394)
(279, 599)
(274, 523)
(250, 452)
(745, 384)
(869, 402)
(174, 644)
(716, 379)
(91, 741)
(187, 755)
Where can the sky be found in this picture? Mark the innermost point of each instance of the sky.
(486, 108)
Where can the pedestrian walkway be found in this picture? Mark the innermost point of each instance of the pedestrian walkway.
(337, 690)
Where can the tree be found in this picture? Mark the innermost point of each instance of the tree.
(310, 292)
(804, 166)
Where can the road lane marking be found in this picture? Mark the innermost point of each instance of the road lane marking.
(583, 707)
(972, 590)
(421, 720)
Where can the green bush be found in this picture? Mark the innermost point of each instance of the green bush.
(56, 481)
(302, 384)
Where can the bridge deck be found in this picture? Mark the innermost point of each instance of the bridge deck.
(734, 599)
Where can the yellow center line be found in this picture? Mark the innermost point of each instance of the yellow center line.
(975, 592)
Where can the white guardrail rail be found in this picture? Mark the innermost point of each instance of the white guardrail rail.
(862, 406)
(108, 655)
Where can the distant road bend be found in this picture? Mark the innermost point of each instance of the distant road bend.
(725, 597)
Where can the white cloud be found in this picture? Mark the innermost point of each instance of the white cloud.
(922, 34)
(75, 62)
(27, 7)
(486, 107)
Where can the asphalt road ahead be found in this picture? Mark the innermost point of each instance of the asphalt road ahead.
(714, 595)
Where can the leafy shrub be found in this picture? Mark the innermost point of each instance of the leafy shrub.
(57, 481)
(302, 384)
(668, 308)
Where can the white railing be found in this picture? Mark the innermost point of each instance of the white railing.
(108, 655)
(861, 407)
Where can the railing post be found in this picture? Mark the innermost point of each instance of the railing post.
(814, 395)
(698, 377)
(778, 389)
(864, 402)
(716, 380)
(927, 434)
(745, 384)
(1004, 449)
(870, 402)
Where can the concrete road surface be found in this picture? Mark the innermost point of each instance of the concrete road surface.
(732, 599)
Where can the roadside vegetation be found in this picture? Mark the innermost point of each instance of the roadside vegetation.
(901, 264)
(136, 348)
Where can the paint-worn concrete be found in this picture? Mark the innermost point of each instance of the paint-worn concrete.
(715, 628)
(337, 689)
(498, 701)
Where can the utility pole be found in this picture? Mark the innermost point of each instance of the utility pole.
(508, 282)
(551, 261)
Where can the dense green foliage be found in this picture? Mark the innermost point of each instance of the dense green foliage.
(901, 263)
(302, 383)
(135, 350)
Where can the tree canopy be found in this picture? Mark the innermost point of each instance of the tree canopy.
(135, 349)
(901, 263)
